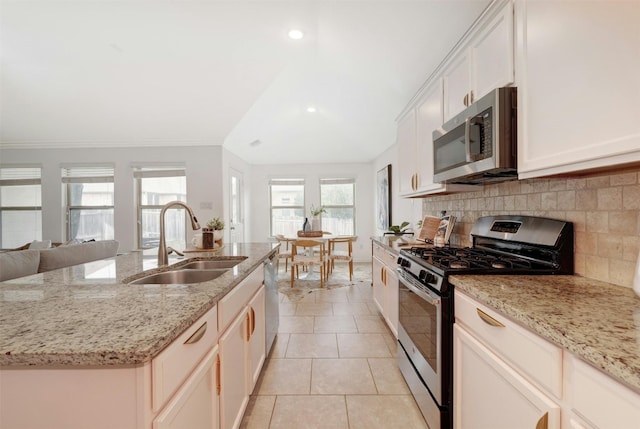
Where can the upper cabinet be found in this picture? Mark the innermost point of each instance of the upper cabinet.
(578, 78)
(482, 62)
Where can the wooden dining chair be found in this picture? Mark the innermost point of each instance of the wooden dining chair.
(301, 258)
(344, 252)
(285, 252)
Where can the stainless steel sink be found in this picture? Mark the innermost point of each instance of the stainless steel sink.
(210, 264)
(179, 277)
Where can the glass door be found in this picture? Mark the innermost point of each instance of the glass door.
(236, 215)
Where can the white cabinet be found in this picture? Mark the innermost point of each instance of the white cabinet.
(488, 393)
(596, 401)
(504, 376)
(578, 78)
(242, 346)
(406, 140)
(484, 60)
(385, 285)
(196, 404)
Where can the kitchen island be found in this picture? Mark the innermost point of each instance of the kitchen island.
(87, 334)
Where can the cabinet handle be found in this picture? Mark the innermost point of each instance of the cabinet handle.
(247, 319)
(197, 335)
(488, 319)
(465, 100)
(218, 385)
(253, 321)
(543, 423)
(472, 97)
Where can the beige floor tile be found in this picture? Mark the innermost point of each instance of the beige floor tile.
(341, 377)
(386, 375)
(362, 345)
(312, 346)
(383, 412)
(371, 324)
(279, 347)
(314, 309)
(332, 295)
(309, 412)
(285, 377)
(328, 324)
(287, 308)
(343, 308)
(297, 324)
(258, 412)
(309, 297)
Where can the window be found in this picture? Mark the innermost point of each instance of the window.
(155, 187)
(287, 206)
(20, 206)
(337, 196)
(89, 200)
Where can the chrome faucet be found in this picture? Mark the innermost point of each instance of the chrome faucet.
(163, 256)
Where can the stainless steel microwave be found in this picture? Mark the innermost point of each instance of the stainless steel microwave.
(479, 144)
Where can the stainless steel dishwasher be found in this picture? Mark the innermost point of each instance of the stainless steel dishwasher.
(272, 309)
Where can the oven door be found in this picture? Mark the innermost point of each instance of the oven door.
(420, 331)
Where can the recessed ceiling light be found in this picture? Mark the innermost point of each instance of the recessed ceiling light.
(295, 34)
(311, 109)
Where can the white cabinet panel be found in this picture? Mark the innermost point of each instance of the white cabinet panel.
(579, 85)
(233, 371)
(195, 406)
(489, 394)
(257, 337)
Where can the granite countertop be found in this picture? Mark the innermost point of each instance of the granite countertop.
(85, 315)
(395, 243)
(596, 321)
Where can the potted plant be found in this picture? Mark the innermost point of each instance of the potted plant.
(399, 229)
(315, 217)
(217, 225)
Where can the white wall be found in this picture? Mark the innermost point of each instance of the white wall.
(204, 182)
(312, 173)
(402, 209)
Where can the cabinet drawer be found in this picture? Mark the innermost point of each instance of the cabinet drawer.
(233, 302)
(538, 359)
(387, 257)
(598, 398)
(174, 364)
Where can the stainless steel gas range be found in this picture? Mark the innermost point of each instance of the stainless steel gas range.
(500, 245)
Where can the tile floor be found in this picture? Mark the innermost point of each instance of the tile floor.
(333, 366)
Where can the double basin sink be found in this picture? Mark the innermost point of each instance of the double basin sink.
(192, 272)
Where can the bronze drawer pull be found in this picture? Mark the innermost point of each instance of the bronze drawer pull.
(197, 335)
(488, 319)
(543, 423)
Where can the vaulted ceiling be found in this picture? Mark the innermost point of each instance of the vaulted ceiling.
(108, 73)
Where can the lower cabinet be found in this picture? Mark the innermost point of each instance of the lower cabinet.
(488, 393)
(195, 406)
(385, 285)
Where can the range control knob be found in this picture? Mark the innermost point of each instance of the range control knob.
(430, 278)
(405, 263)
(423, 275)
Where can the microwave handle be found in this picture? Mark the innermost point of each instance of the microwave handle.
(467, 139)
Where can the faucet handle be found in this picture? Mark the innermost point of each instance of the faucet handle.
(171, 250)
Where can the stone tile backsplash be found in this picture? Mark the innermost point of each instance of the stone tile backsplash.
(604, 208)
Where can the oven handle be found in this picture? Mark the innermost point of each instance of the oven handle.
(428, 296)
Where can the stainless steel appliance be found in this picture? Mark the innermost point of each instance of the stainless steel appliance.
(500, 245)
(272, 307)
(479, 144)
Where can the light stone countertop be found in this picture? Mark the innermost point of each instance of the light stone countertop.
(84, 315)
(596, 321)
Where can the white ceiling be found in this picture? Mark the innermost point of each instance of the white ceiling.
(92, 73)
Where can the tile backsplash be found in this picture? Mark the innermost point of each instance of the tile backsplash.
(604, 208)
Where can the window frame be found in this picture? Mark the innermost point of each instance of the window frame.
(155, 171)
(339, 181)
(285, 181)
(21, 180)
(85, 173)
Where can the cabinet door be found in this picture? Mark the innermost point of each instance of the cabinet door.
(257, 335)
(406, 140)
(489, 394)
(392, 301)
(429, 117)
(492, 53)
(456, 85)
(195, 405)
(578, 94)
(233, 371)
(379, 286)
